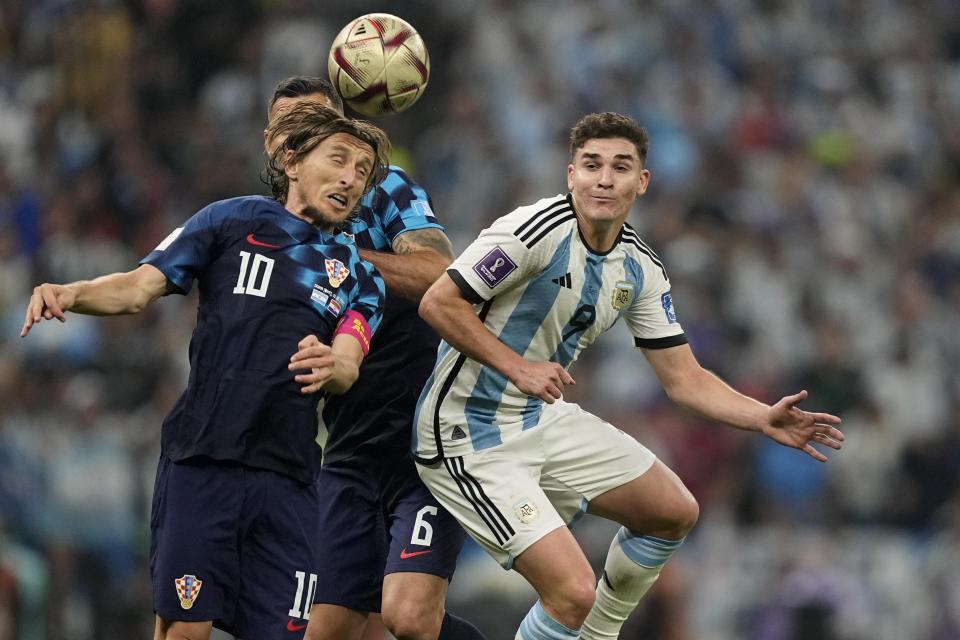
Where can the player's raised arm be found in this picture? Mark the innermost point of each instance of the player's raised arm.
(114, 294)
(453, 317)
(693, 387)
(419, 257)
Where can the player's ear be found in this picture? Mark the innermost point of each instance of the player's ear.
(569, 177)
(292, 169)
(644, 182)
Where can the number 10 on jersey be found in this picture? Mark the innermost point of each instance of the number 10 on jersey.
(247, 284)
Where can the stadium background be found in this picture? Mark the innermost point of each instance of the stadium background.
(805, 160)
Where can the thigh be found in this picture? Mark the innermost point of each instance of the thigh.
(417, 594)
(656, 503)
(424, 537)
(278, 558)
(496, 496)
(180, 629)
(194, 557)
(351, 538)
(587, 457)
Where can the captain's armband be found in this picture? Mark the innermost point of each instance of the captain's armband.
(354, 324)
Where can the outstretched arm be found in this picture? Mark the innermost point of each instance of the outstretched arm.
(693, 387)
(419, 257)
(453, 317)
(110, 295)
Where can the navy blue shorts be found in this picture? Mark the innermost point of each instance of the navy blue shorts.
(378, 518)
(233, 544)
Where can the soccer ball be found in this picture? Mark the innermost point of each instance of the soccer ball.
(379, 64)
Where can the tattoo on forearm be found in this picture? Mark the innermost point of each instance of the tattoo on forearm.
(432, 239)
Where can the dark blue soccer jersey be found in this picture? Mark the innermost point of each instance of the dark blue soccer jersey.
(376, 414)
(266, 279)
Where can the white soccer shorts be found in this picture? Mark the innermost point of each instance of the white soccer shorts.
(510, 496)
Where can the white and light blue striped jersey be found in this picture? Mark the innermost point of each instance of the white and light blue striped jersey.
(545, 294)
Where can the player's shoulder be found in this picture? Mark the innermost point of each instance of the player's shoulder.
(634, 246)
(396, 174)
(344, 241)
(397, 184)
(545, 218)
(397, 192)
(241, 207)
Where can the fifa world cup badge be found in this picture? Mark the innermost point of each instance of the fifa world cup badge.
(188, 588)
(622, 294)
(495, 267)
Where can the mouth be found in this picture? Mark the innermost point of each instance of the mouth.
(339, 200)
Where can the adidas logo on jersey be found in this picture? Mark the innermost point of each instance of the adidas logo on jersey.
(564, 281)
(458, 434)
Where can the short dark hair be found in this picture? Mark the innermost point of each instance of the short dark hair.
(297, 86)
(609, 125)
(308, 124)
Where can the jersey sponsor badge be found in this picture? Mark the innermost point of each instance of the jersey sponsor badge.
(526, 511)
(422, 207)
(169, 239)
(622, 294)
(188, 588)
(667, 303)
(494, 267)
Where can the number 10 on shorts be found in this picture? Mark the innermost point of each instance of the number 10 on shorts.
(301, 605)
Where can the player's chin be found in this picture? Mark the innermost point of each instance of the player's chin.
(334, 216)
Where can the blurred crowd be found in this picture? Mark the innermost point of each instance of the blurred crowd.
(805, 200)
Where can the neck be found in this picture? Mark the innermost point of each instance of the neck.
(599, 235)
(300, 210)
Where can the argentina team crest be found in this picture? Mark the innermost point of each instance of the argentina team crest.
(526, 510)
(188, 588)
(337, 272)
(622, 294)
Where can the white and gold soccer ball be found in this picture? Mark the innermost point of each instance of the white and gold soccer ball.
(379, 64)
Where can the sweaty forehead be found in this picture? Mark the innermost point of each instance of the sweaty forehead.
(609, 148)
(347, 142)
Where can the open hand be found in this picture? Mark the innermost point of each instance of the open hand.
(791, 426)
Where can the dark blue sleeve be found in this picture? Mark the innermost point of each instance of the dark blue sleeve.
(403, 205)
(186, 252)
(368, 294)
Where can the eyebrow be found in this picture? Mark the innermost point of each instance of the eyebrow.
(364, 159)
(619, 156)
